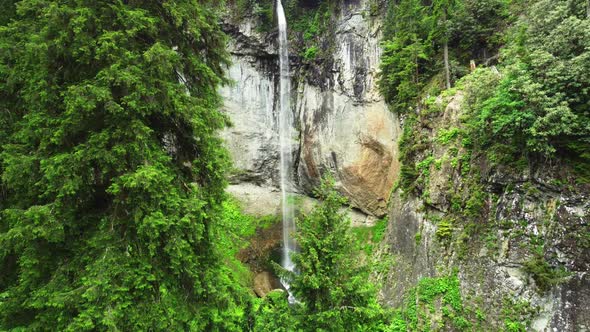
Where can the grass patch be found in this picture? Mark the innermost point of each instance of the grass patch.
(367, 237)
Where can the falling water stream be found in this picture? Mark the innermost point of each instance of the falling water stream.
(285, 143)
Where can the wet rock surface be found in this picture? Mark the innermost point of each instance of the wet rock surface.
(344, 126)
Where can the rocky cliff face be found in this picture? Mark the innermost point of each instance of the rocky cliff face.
(522, 253)
(343, 124)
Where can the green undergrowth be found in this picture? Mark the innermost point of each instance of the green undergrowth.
(238, 228)
(545, 275)
(437, 304)
(311, 27)
(434, 304)
(368, 237)
(261, 10)
(516, 315)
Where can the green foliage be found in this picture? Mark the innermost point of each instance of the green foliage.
(310, 18)
(446, 136)
(310, 53)
(423, 167)
(262, 10)
(416, 34)
(238, 226)
(233, 233)
(444, 230)
(476, 30)
(416, 315)
(545, 275)
(8, 11)
(408, 150)
(407, 53)
(367, 237)
(332, 282)
(379, 230)
(516, 315)
(112, 170)
(540, 105)
(311, 26)
(273, 313)
(476, 202)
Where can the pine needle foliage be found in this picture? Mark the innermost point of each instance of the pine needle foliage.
(112, 171)
(332, 282)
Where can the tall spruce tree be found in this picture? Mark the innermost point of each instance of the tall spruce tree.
(112, 170)
(332, 281)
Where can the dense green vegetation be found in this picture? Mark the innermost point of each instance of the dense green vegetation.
(524, 107)
(416, 315)
(541, 102)
(112, 172)
(537, 105)
(332, 284)
(331, 281)
(368, 237)
(417, 33)
(113, 214)
(261, 10)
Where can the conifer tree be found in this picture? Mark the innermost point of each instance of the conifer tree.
(112, 170)
(407, 53)
(332, 282)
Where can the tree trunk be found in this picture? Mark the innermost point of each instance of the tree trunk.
(446, 53)
(447, 69)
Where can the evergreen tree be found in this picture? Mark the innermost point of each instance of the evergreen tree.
(441, 10)
(273, 313)
(407, 61)
(112, 170)
(477, 27)
(425, 38)
(332, 282)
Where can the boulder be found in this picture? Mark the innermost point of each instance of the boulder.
(265, 282)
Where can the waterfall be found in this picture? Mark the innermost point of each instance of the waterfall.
(285, 143)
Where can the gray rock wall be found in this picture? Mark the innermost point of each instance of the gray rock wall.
(343, 124)
(525, 218)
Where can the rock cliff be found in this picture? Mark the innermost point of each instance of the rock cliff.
(520, 246)
(516, 239)
(343, 125)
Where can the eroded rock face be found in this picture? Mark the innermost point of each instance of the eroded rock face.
(344, 126)
(525, 218)
(250, 103)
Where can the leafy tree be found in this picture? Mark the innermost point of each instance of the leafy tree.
(112, 171)
(425, 38)
(476, 28)
(541, 106)
(331, 281)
